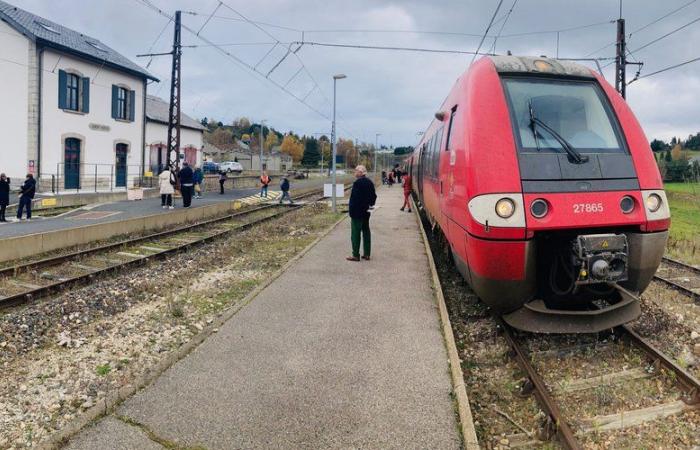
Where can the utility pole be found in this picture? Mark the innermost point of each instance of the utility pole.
(621, 59)
(262, 140)
(174, 109)
(376, 147)
(174, 113)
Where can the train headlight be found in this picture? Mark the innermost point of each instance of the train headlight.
(539, 208)
(627, 204)
(505, 208)
(653, 202)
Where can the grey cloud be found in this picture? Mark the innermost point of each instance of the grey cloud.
(394, 93)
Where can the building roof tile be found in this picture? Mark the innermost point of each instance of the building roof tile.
(57, 36)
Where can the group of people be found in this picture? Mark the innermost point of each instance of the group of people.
(191, 183)
(26, 195)
(393, 176)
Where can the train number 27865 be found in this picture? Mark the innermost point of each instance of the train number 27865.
(588, 208)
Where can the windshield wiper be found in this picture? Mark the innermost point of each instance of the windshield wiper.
(576, 157)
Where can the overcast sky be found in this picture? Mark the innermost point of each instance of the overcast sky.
(389, 92)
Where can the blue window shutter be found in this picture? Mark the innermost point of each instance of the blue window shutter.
(62, 82)
(115, 96)
(132, 105)
(86, 95)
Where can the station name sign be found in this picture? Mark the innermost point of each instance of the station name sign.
(99, 127)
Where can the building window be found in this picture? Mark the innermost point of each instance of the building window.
(123, 103)
(73, 92)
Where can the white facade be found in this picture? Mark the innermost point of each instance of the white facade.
(14, 90)
(73, 108)
(98, 132)
(191, 142)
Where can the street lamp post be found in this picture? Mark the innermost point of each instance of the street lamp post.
(335, 79)
(262, 139)
(376, 147)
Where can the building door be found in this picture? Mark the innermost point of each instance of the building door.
(122, 150)
(71, 164)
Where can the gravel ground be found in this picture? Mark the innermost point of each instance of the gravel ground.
(493, 380)
(59, 355)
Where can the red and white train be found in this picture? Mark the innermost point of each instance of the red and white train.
(543, 184)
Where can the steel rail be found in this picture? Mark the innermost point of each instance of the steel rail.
(42, 291)
(546, 401)
(130, 241)
(684, 378)
(677, 286)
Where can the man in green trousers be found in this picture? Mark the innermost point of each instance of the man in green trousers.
(362, 197)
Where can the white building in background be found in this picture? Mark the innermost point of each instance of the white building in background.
(73, 108)
(191, 136)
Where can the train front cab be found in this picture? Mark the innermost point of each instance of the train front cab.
(591, 218)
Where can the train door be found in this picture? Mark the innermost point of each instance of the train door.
(421, 171)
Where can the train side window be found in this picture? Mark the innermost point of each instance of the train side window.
(449, 128)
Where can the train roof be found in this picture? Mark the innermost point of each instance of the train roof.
(541, 65)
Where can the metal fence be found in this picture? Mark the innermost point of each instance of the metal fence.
(68, 177)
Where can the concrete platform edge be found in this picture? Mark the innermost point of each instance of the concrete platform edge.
(18, 247)
(466, 421)
(104, 406)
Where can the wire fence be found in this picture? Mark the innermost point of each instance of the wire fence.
(76, 178)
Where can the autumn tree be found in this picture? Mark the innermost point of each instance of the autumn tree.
(677, 152)
(346, 148)
(270, 141)
(292, 147)
(219, 137)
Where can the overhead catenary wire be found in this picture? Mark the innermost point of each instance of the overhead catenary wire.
(236, 59)
(503, 24)
(665, 69)
(486, 32)
(381, 47)
(675, 30)
(643, 27)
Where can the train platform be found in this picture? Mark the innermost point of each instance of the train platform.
(96, 222)
(331, 354)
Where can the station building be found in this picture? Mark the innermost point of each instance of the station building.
(191, 136)
(73, 108)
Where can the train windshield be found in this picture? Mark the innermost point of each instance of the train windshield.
(576, 110)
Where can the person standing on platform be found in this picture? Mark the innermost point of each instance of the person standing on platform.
(4, 195)
(284, 187)
(198, 182)
(222, 180)
(390, 177)
(166, 182)
(362, 198)
(26, 194)
(265, 182)
(186, 184)
(407, 188)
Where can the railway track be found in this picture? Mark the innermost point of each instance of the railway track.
(680, 276)
(25, 282)
(569, 429)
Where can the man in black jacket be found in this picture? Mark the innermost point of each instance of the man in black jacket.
(362, 198)
(186, 184)
(26, 194)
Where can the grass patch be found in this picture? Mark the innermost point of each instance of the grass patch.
(684, 235)
(103, 369)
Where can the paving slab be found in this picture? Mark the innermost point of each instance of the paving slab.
(332, 354)
(102, 436)
(124, 210)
